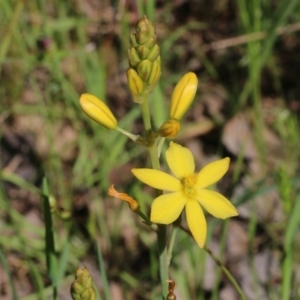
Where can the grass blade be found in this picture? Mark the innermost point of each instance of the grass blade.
(103, 273)
(49, 241)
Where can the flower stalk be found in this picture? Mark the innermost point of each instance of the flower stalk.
(188, 191)
(162, 230)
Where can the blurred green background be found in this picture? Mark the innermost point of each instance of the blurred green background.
(246, 57)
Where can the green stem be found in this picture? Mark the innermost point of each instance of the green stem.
(227, 273)
(146, 114)
(223, 268)
(130, 135)
(162, 229)
(171, 244)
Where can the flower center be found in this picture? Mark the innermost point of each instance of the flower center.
(188, 185)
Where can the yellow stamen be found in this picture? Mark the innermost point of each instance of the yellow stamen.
(189, 183)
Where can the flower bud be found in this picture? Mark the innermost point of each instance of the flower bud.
(142, 51)
(144, 69)
(132, 40)
(183, 95)
(169, 129)
(133, 57)
(144, 59)
(144, 29)
(151, 42)
(135, 84)
(82, 287)
(155, 74)
(153, 54)
(98, 111)
(64, 214)
(52, 203)
(88, 294)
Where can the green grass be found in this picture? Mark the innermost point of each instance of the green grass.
(42, 125)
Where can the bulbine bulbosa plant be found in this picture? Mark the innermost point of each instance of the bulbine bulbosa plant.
(185, 189)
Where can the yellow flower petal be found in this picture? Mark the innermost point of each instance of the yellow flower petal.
(180, 160)
(212, 172)
(157, 179)
(166, 208)
(98, 111)
(196, 221)
(183, 95)
(216, 204)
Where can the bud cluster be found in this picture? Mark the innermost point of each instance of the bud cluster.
(144, 60)
(82, 287)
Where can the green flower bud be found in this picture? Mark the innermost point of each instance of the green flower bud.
(144, 69)
(153, 53)
(64, 214)
(141, 37)
(144, 30)
(82, 287)
(52, 203)
(77, 288)
(133, 41)
(88, 294)
(142, 51)
(133, 57)
(151, 42)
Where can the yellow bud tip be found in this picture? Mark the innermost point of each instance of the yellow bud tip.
(183, 95)
(169, 129)
(133, 204)
(98, 111)
(135, 82)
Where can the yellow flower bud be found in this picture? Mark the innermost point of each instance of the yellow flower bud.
(98, 111)
(183, 95)
(135, 84)
(169, 129)
(154, 75)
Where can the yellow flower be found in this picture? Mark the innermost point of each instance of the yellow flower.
(188, 189)
(183, 95)
(97, 111)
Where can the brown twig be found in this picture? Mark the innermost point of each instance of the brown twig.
(243, 39)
